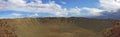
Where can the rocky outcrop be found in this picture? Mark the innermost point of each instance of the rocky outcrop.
(7, 29)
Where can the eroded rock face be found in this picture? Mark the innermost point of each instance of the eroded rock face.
(113, 31)
(6, 29)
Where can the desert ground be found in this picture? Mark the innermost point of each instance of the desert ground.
(53, 27)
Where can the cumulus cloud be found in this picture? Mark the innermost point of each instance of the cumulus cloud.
(37, 7)
(51, 7)
(93, 11)
(110, 5)
(21, 5)
(111, 9)
(75, 11)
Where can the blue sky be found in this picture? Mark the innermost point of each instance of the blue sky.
(56, 8)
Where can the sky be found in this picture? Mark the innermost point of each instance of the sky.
(60, 8)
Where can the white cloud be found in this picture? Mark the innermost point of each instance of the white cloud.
(110, 5)
(75, 11)
(93, 11)
(16, 14)
(38, 7)
(34, 15)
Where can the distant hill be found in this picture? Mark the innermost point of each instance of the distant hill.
(59, 27)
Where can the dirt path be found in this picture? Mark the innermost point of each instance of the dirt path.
(7, 29)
